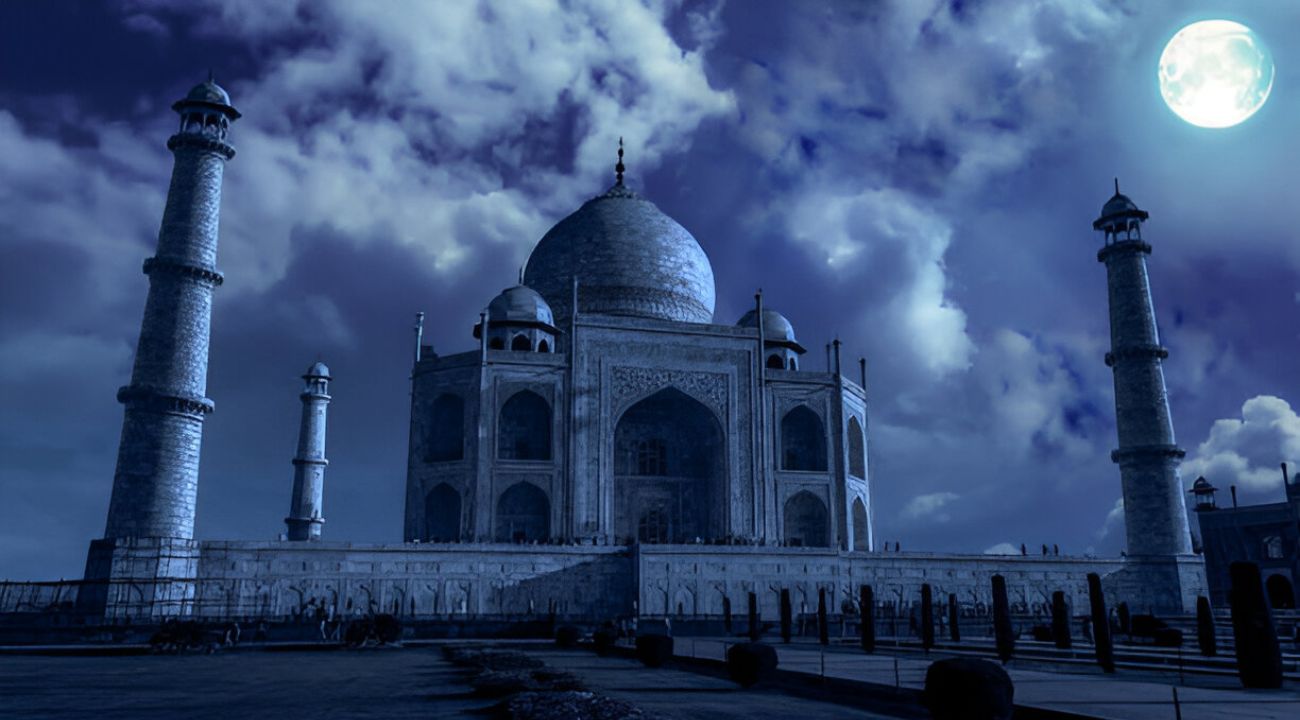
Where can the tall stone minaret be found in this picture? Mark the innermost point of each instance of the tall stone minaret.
(1154, 516)
(157, 474)
(305, 518)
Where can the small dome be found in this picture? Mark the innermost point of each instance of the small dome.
(1202, 485)
(775, 327)
(317, 370)
(1117, 205)
(629, 259)
(209, 91)
(520, 304)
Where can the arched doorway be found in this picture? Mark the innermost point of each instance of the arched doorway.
(861, 526)
(523, 514)
(668, 470)
(803, 441)
(1280, 593)
(524, 428)
(442, 514)
(806, 521)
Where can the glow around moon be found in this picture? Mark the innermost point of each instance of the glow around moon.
(1215, 73)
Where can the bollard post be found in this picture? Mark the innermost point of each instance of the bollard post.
(1178, 710)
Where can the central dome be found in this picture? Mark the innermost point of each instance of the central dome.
(629, 259)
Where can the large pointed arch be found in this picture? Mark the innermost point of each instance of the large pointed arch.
(442, 514)
(803, 440)
(807, 524)
(524, 428)
(523, 514)
(669, 470)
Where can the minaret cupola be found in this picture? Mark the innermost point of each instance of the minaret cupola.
(519, 319)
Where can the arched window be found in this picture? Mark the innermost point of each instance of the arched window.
(543, 346)
(775, 362)
(442, 514)
(447, 429)
(524, 428)
(794, 364)
(496, 343)
(523, 514)
(521, 343)
(857, 456)
(861, 526)
(803, 441)
(806, 521)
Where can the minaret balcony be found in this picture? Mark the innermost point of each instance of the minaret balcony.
(1141, 352)
(200, 141)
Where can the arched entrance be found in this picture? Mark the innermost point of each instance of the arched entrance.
(806, 521)
(668, 471)
(803, 441)
(1280, 593)
(524, 428)
(442, 514)
(861, 526)
(523, 514)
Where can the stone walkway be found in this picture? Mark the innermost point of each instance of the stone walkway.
(1096, 695)
(685, 695)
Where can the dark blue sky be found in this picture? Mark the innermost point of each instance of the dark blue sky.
(916, 177)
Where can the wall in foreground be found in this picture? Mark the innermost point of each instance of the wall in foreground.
(283, 579)
(238, 579)
(691, 580)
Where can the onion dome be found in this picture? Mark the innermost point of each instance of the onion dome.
(317, 370)
(777, 330)
(628, 257)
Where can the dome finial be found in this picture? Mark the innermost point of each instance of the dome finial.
(1116, 186)
(210, 78)
(618, 169)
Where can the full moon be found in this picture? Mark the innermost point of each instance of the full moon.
(1215, 73)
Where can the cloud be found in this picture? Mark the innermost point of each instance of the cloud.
(1246, 451)
(429, 123)
(1002, 548)
(1114, 520)
(929, 507)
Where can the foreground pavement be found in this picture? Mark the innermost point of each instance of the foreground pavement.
(1094, 695)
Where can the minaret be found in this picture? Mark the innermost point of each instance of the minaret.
(157, 474)
(309, 464)
(1155, 518)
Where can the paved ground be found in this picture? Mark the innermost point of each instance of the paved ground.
(685, 695)
(1092, 694)
(396, 684)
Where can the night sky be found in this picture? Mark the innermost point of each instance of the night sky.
(918, 178)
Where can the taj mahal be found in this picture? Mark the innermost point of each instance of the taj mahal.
(605, 446)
